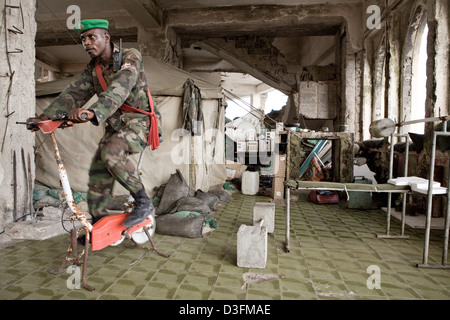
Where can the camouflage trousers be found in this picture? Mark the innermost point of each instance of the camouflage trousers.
(112, 163)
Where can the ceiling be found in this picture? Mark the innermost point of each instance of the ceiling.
(52, 15)
(182, 4)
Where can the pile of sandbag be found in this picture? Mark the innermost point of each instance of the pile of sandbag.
(186, 213)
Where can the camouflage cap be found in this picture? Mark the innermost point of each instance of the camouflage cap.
(88, 24)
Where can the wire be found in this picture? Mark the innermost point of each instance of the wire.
(54, 14)
(252, 108)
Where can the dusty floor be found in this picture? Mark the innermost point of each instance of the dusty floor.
(331, 249)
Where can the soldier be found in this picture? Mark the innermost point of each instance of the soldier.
(124, 104)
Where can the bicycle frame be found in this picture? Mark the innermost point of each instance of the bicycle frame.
(80, 216)
(105, 232)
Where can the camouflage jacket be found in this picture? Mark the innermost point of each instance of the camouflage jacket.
(128, 85)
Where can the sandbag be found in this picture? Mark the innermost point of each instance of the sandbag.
(223, 195)
(211, 200)
(191, 204)
(175, 189)
(173, 225)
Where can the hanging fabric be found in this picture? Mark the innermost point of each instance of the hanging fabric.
(192, 108)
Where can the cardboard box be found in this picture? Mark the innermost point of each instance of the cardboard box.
(278, 188)
(238, 169)
(279, 166)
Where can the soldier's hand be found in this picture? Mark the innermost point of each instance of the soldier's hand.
(78, 115)
(32, 123)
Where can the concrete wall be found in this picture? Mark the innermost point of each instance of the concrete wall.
(390, 59)
(17, 96)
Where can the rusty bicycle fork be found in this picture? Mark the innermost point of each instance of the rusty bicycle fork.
(76, 215)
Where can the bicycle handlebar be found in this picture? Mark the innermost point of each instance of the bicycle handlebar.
(47, 126)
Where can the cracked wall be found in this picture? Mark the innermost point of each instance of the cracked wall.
(17, 33)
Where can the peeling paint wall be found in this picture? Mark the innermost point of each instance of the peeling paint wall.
(17, 96)
(391, 58)
(391, 52)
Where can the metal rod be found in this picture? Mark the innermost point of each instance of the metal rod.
(15, 184)
(391, 169)
(288, 210)
(405, 172)
(447, 223)
(153, 244)
(429, 200)
(447, 213)
(429, 209)
(27, 190)
(404, 123)
(389, 206)
(30, 186)
(85, 260)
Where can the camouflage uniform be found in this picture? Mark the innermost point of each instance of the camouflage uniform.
(126, 132)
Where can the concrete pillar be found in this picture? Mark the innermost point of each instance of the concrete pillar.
(151, 42)
(173, 50)
(17, 87)
(438, 61)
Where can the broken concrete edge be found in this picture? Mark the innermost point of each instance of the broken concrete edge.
(48, 224)
(252, 247)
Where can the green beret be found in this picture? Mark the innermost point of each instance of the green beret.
(86, 25)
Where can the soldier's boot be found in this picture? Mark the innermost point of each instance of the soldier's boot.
(142, 209)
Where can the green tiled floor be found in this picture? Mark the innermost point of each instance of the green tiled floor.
(331, 249)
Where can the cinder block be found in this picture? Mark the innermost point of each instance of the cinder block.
(252, 247)
(266, 211)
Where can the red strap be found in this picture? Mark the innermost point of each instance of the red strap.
(153, 137)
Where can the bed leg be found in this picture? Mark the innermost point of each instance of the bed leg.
(288, 212)
(388, 221)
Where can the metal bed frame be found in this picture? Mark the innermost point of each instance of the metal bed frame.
(292, 184)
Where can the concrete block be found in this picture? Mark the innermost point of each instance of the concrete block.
(52, 213)
(35, 230)
(266, 211)
(252, 247)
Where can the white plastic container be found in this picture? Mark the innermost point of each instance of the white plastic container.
(250, 183)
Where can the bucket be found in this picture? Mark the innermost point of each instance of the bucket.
(250, 183)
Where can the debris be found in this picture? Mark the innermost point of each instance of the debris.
(252, 277)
